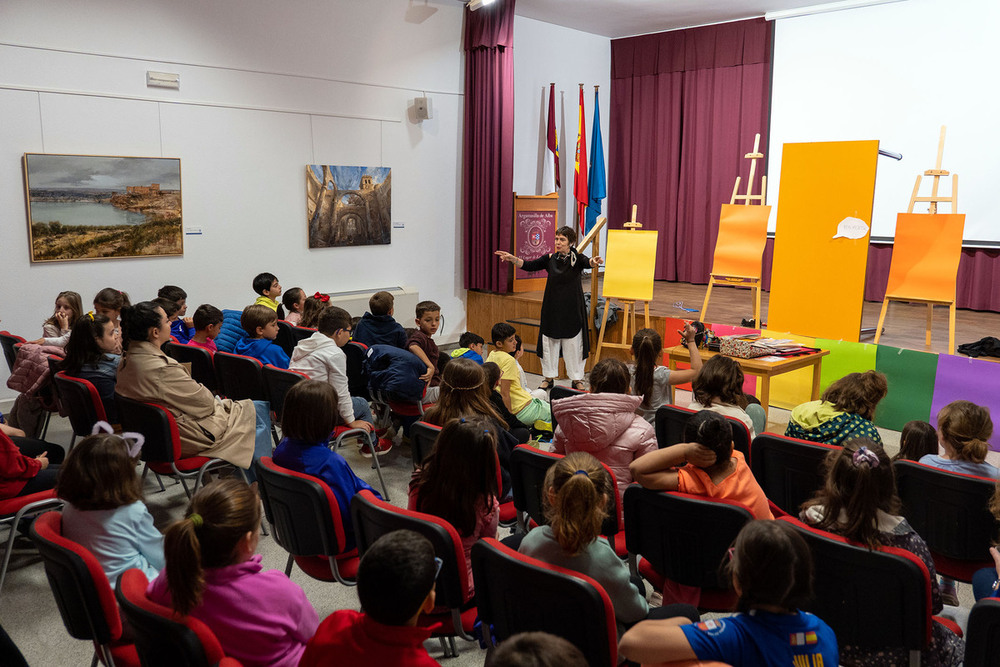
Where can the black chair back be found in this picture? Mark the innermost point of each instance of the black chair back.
(514, 594)
(951, 512)
(285, 338)
(303, 511)
(422, 439)
(301, 333)
(160, 640)
(202, 366)
(982, 639)
(789, 470)
(9, 342)
(239, 376)
(81, 402)
(669, 424)
(684, 537)
(871, 599)
(277, 382)
(357, 368)
(157, 425)
(374, 518)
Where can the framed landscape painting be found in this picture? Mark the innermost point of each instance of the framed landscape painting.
(100, 207)
(348, 206)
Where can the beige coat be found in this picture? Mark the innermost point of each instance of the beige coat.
(147, 374)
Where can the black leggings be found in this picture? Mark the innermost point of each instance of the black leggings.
(45, 479)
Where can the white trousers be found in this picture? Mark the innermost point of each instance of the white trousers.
(572, 352)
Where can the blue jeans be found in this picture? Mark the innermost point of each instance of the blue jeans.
(362, 410)
(262, 443)
(982, 583)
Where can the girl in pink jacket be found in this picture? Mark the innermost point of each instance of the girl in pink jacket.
(604, 423)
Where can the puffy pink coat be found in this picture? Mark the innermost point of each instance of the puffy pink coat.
(606, 426)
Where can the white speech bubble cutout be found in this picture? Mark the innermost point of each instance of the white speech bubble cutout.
(851, 228)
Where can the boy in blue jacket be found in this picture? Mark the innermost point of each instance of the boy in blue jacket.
(378, 327)
(261, 325)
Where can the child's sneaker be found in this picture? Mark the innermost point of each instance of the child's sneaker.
(949, 591)
(383, 446)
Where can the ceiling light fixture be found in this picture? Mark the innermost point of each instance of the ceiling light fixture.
(476, 4)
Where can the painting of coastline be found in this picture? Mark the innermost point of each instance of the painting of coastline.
(100, 207)
(348, 206)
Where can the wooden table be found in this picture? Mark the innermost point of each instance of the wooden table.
(765, 370)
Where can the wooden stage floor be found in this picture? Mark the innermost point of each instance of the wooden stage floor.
(905, 324)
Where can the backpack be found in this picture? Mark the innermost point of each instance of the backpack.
(395, 372)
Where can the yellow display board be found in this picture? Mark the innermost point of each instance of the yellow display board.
(818, 281)
(791, 389)
(630, 264)
(925, 256)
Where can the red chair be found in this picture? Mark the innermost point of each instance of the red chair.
(305, 520)
(514, 593)
(10, 343)
(527, 475)
(277, 382)
(422, 438)
(162, 450)
(789, 470)
(374, 518)
(202, 366)
(285, 339)
(683, 538)
(82, 404)
(950, 511)
(162, 637)
(12, 510)
(871, 599)
(82, 592)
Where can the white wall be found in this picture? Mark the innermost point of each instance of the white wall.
(545, 53)
(896, 73)
(266, 88)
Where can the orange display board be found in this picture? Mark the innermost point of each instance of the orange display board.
(741, 240)
(818, 281)
(925, 256)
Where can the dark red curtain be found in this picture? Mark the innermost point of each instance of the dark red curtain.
(685, 106)
(488, 173)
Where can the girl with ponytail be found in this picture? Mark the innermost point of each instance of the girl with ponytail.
(575, 494)
(964, 430)
(859, 501)
(213, 574)
(651, 380)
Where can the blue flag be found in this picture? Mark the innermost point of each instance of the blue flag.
(597, 181)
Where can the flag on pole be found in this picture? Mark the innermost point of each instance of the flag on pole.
(580, 184)
(598, 185)
(550, 166)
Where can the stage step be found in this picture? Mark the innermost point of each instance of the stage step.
(526, 321)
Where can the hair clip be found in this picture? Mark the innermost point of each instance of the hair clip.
(325, 298)
(462, 420)
(91, 315)
(196, 520)
(133, 441)
(581, 472)
(865, 455)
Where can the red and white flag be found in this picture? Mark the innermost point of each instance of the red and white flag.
(550, 165)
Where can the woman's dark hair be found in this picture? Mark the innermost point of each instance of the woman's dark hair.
(463, 394)
(137, 320)
(917, 440)
(82, 348)
(720, 380)
(647, 348)
(773, 566)
(310, 411)
(459, 477)
(859, 482)
(712, 430)
(569, 233)
(112, 298)
(98, 474)
(966, 427)
(857, 393)
(291, 297)
(610, 376)
(219, 515)
(580, 488)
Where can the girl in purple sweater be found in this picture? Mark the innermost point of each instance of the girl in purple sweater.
(213, 574)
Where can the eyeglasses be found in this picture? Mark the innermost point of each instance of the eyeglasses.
(437, 567)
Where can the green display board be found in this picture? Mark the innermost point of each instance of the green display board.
(845, 357)
(911, 376)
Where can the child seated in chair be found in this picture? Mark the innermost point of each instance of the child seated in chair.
(395, 585)
(207, 325)
(515, 397)
(261, 325)
(378, 326)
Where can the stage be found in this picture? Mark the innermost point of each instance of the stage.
(905, 323)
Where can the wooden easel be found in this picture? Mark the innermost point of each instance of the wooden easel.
(592, 240)
(628, 309)
(727, 280)
(936, 173)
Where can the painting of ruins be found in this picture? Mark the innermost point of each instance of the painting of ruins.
(348, 206)
(100, 207)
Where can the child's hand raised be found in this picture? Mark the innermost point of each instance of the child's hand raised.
(63, 320)
(699, 455)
